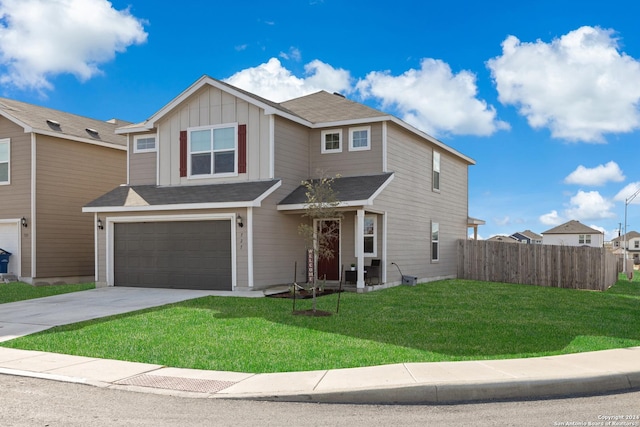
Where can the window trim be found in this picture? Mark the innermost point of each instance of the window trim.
(435, 229)
(436, 175)
(8, 161)
(357, 129)
(323, 144)
(584, 239)
(145, 150)
(211, 128)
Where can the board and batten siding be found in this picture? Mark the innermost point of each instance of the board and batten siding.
(277, 244)
(347, 163)
(412, 206)
(142, 166)
(16, 196)
(211, 106)
(70, 174)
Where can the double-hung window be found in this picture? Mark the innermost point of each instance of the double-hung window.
(4, 161)
(331, 141)
(435, 241)
(144, 143)
(213, 150)
(584, 239)
(436, 171)
(370, 228)
(360, 138)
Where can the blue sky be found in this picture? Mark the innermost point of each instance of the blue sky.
(543, 95)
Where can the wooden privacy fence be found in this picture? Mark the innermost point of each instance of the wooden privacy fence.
(543, 265)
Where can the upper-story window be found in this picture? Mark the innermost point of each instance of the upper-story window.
(436, 171)
(4, 161)
(360, 138)
(144, 143)
(331, 141)
(584, 239)
(212, 150)
(636, 244)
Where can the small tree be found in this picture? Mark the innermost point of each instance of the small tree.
(321, 205)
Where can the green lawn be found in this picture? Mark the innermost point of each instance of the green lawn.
(439, 321)
(17, 291)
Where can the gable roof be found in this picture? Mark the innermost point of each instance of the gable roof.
(349, 191)
(152, 197)
(572, 227)
(502, 238)
(47, 121)
(630, 235)
(317, 110)
(528, 234)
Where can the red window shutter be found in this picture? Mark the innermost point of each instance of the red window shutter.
(183, 153)
(242, 148)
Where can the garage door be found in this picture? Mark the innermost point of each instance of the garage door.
(10, 241)
(184, 255)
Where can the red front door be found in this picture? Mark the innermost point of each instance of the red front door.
(329, 268)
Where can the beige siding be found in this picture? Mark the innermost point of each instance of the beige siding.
(211, 106)
(69, 175)
(277, 244)
(409, 222)
(16, 197)
(142, 166)
(347, 163)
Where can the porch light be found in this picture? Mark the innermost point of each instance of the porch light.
(239, 221)
(100, 226)
(23, 221)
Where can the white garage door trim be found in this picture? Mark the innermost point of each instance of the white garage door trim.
(10, 228)
(109, 229)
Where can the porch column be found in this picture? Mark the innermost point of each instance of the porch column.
(360, 247)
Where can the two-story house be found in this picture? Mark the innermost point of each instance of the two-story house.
(632, 240)
(214, 198)
(573, 233)
(51, 164)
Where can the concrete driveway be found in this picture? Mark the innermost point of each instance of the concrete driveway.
(27, 317)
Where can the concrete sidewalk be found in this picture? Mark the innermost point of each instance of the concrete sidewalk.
(411, 383)
(414, 383)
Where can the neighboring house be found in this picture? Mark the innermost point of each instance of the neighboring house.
(504, 239)
(52, 164)
(528, 237)
(633, 245)
(573, 233)
(214, 196)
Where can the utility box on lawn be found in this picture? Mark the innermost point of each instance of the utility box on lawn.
(409, 280)
(4, 261)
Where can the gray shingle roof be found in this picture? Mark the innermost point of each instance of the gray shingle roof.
(323, 107)
(345, 188)
(73, 125)
(572, 227)
(151, 195)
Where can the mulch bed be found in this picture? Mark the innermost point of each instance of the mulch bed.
(303, 294)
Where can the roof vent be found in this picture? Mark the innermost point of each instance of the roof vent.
(92, 132)
(53, 124)
(339, 94)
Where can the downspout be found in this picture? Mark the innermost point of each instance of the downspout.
(33, 206)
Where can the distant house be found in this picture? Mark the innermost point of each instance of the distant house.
(504, 239)
(528, 237)
(51, 164)
(633, 245)
(573, 233)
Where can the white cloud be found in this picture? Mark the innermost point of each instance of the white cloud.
(627, 192)
(42, 38)
(502, 221)
(599, 175)
(589, 205)
(434, 99)
(552, 218)
(274, 82)
(578, 85)
(293, 54)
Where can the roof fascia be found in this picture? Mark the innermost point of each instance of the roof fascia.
(79, 139)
